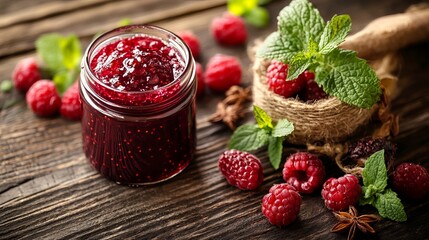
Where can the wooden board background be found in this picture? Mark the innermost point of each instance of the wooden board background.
(49, 191)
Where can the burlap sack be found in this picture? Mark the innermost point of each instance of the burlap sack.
(327, 120)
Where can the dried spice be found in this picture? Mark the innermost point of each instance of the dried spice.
(351, 220)
(231, 109)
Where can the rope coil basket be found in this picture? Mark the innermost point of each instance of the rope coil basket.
(327, 120)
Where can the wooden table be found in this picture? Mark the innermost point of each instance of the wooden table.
(49, 191)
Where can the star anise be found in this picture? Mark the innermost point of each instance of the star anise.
(233, 107)
(351, 220)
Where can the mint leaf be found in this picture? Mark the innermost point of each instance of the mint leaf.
(71, 52)
(374, 173)
(299, 64)
(125, 22)
(248, 137)
(282, 128)
(302, 60)
(300, 23)
(263, 2)
(364, 201)
(275, 150)
(63, 80)
(277, 47)
(240, 7)
(49, 50)
(343, 75)
(262, 118)
(62, 56)
(6, 86)
(258, 17)
(389, 206)
(334, 33)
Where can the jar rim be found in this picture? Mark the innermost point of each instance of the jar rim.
(116, 32)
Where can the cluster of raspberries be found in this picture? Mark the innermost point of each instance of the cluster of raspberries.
(304, 173)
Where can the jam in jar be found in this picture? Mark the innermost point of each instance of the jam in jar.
(138, 98)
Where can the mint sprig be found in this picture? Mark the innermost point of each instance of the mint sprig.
(304, 41)
(250, 11)
(375, 193)
(250, 137)
(61, 56)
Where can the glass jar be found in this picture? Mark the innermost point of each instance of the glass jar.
(138, 137)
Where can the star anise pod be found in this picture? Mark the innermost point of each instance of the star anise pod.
(352, 220)
(233, 107)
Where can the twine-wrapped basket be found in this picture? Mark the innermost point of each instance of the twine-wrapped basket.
(327, 120)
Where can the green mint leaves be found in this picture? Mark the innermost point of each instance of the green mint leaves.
(62, 56)
(250, 137)
(250, 11)
(375, 193)
(304, 41)
(6, 86)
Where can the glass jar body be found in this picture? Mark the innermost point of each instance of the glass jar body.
(137, 138)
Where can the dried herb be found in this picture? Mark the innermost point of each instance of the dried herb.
(233, 107)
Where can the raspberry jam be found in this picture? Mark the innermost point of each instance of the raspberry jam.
(138, 96)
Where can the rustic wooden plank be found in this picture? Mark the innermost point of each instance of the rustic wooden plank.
(49, 191)
(96, 19)
(44, 10)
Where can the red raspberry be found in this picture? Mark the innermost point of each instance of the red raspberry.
(276, 76)
(229, 30)
(222, 72)
(241, 169)
(71, 104)
(43, 98)
(25, 74)
(411, 181)
(192, 41)
(340, 193)
(281, 206)
(304, 171)
(312, 91)
(200, 79)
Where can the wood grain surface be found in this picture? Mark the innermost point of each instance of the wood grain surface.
(49, 191)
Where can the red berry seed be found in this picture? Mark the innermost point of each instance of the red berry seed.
(304, 171)
(281, 205)
(229, 30)
(241, 169)
(43, 98)
(222, 72)
(411, 181)
(25, 74)
(341, 193)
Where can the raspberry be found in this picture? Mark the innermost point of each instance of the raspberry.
(25, 74)
(276, 76)
(340, 193)
(222, 72)
(192, 41)
(304, 171)
(229, 30)
(241, 169)
(200, 78)
(312, 91)
(411, 181)
(71, 104)
(281, 205)
(43, 98)
(365, 147)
